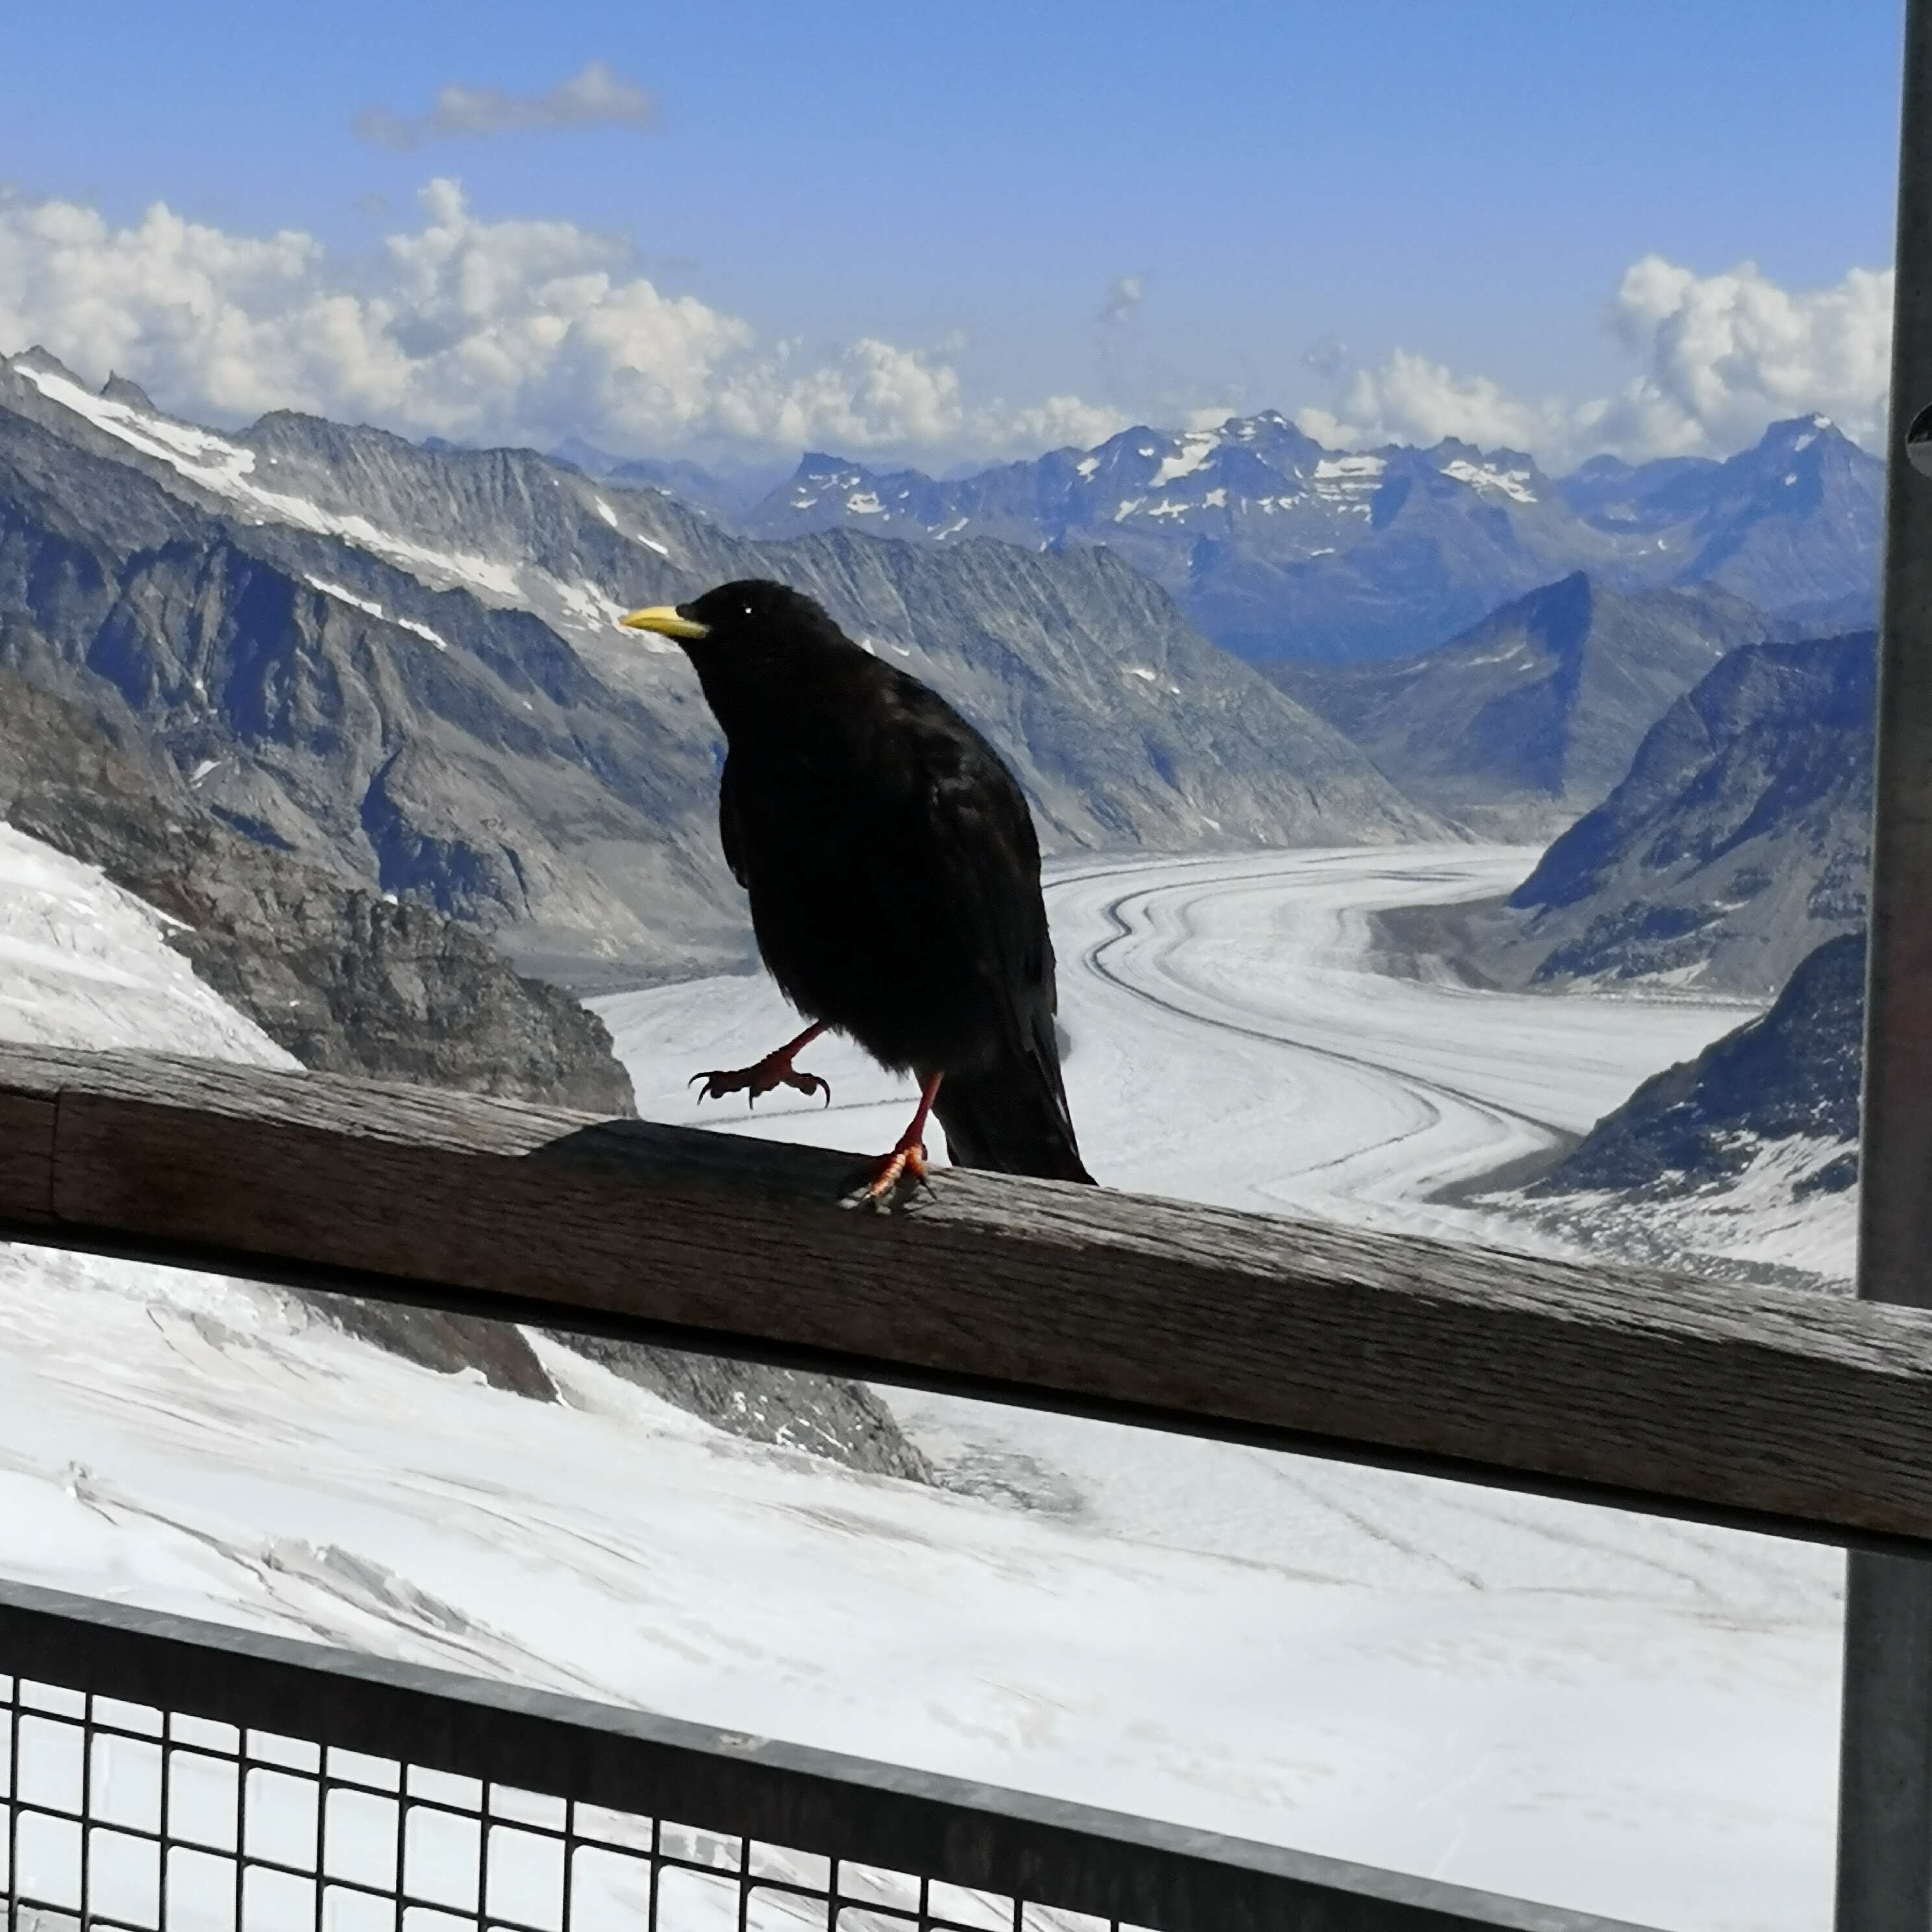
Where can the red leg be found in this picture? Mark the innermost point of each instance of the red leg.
(909, 1157)
(775, 1070)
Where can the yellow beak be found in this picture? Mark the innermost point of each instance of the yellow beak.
(664, 618)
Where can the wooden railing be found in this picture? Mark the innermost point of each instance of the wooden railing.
(1778, 1410)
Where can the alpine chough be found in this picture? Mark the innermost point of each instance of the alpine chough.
(894, 878)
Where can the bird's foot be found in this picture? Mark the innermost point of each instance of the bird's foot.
(908, 1158)
(774, 1071)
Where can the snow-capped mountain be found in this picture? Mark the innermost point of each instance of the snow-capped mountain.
(1738, 842)
(402, 664)
(1529, 717)
(1749, 1151)
(1278, 547)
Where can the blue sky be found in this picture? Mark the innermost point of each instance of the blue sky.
(1466, 182)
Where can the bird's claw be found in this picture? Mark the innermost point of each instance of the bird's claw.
(763, 1078)
(908, 1158)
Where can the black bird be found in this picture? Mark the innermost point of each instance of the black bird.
(894, 878)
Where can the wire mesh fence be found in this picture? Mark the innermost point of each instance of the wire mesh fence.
(131, 1819)
(122, 1816)
(158, 1774)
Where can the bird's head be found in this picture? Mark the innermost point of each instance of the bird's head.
(753, 616)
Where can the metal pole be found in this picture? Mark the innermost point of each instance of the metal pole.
(1884, 1807)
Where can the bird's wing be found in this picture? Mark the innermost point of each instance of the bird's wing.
(983, 832)
(730, 823)
(1011, 1116)
(980, 825)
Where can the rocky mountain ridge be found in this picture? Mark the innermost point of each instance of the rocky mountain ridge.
(1743, 1161)
(1792, 1072)
(1529, 718)
(1737, 843)
(402, 665)
(346, 981)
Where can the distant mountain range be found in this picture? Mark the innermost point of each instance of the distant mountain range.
(401, 665)
(1738, 841)
(1277, 547)
(1530, 718)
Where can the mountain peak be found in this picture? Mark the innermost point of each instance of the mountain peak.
(1795, 433)
(1532, 714)
(821, 462)
(38, 358)
(1560, 613)
(1453, 446)
(574, 450)
(120, 389)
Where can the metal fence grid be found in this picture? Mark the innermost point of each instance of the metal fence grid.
(143, 1789)
(122, 1816)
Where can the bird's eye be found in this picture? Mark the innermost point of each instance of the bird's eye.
(747, 610)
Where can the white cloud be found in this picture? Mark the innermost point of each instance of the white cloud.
(1410, 399)
(530, 331)
(1124, 298)
(1329, 357)
(504, 332)
(1719, 357)
(593, 96)
(1724, 354)
(1060, 422)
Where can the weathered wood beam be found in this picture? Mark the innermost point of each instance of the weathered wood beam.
(1804, 1414)
(27, 1156)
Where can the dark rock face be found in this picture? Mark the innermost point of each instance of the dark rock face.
(344, 981)
(825, 1416)
(469, 763)
(1794, 1071)
(821, 1414)
(433, 1338)
(1738, 841)
(1530, 718)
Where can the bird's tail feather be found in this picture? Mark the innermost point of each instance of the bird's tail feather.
(1012, 1120)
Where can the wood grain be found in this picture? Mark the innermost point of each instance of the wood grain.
(1813, 1412)
(27, 1156)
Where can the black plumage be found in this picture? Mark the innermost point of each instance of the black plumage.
(893, 873)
